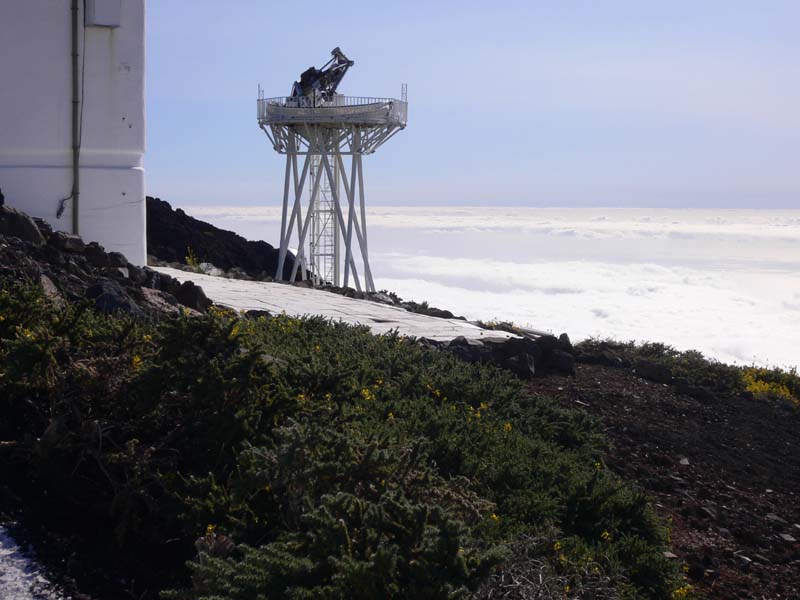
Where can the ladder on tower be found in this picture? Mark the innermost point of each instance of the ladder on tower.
(324, 243)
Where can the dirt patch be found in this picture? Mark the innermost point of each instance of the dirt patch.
(725, 473)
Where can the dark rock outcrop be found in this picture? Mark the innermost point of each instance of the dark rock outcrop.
(172, 234)
(192, 295)
(109, 296)
(14, 223)
(526, 356)
(70, 270)
(66, 242)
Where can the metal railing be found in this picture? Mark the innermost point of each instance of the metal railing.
(315, 107)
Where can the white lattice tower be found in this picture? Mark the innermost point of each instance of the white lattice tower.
(330, 138)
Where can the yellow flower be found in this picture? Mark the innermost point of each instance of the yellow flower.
(484, 406)
(210, 529)
(378, 382)
(507, 427)
(567, 589)
(557, 546)
(682, 592)
(301, 397)
(437, 393)
(390, 417)
(268, 488)
(494, 517)
(367, 394)
(316, 348)
(136, 362)
(148, 338)
(2, 318)
(598, 465)
(605, 536)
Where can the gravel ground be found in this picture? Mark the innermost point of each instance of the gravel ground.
(724, 472)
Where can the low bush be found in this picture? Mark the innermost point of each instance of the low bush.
(698, 370)
(215, 457)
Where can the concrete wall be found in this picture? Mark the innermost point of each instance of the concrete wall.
(36, 120)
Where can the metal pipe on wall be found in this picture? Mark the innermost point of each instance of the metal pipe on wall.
(76, 144)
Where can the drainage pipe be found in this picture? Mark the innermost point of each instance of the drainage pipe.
(76, 133)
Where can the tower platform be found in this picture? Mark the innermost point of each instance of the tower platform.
(354, 110)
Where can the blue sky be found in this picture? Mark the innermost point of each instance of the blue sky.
(638, 103)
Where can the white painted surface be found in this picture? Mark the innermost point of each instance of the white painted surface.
(36, 120)
(299, 301)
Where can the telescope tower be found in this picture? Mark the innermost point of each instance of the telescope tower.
(324, 136)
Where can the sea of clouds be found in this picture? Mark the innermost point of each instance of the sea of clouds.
(725, 282)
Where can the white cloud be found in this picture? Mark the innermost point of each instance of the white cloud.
(723, 282)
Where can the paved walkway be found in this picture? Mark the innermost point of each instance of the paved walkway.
(300, 301)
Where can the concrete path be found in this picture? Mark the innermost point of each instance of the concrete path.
(299, 301)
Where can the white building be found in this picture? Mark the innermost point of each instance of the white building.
(72, 86)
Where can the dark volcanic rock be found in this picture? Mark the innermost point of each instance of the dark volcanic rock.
(117, 259)
(562, 361)
(69, 270)
(44, 227)
(17, 224)
(522, 365)
(97, 255)
(526, 356)
(67, 242)
(109, 297)
(171, 233)
(192, 295)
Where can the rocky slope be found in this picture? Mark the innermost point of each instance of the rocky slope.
(721, 468)
(70, 270)
(172, 235)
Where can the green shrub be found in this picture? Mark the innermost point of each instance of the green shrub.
(697, 370)
(301, 458)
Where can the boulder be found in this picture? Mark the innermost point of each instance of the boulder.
(14, 223)
(110, 297)
(209, 269)
(522, 365)
(463, 341)
(136, 274)
(382, 298)
(159, 301)
(44, 227)
(437, 312)
(565, 344)
(192, 295)
(51, 291)
(117, 259)
(66, 242)
(96, 255)
(561, 361)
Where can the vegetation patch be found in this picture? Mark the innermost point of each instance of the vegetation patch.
(697, 370)
(216, 457)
